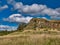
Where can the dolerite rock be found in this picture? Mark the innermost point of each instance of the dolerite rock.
(38, 23)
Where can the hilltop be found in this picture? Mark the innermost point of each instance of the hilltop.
(39, 23)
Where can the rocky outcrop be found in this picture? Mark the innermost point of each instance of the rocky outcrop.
(38, 23)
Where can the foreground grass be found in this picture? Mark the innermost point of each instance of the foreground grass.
(30, 38)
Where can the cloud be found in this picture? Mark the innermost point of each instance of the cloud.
(6, 27)
(50, 11)
(29, 9)
(58, 10)
(35, 9)
(44, 17)
(18, 5)
(18, 18)
(3, 7)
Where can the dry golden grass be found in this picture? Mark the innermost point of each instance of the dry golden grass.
(29, 37)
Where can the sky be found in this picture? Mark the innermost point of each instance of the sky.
(13, 12)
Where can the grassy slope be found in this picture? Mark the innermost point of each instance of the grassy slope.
(31, 38)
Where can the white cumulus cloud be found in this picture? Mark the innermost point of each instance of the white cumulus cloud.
(35, 9)
(18, 18)
(7, 27)
(3, 7)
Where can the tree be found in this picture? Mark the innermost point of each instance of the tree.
(21, 26)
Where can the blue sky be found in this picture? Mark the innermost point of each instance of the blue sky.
(13, 12)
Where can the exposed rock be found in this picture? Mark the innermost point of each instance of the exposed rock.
(38, 23)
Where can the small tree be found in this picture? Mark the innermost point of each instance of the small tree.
(21, 26)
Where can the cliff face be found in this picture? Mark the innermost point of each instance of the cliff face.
(36, 23)
(42, 23)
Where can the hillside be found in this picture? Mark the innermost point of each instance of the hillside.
(39, 23)
(32, 34)
(31, 37)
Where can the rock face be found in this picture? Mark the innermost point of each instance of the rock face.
(38, 23)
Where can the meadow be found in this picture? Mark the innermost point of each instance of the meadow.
(29, 37)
